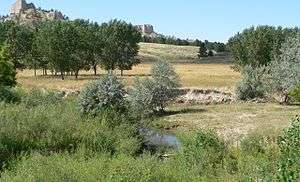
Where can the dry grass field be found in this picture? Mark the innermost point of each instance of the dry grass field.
(191, 75)
(231, 120)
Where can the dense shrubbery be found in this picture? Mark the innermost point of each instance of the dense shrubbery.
(289, 144)
(107, 92)
(268, 58)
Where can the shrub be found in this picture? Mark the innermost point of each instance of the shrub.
(295, 93)
(253, 145)
(7, 70)
(152, 95)
(8, 95)
(251, 86)
(107, 92)
(37, 97)
(207, 151)
(289, 143)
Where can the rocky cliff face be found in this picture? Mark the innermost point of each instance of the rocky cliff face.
(28, 14)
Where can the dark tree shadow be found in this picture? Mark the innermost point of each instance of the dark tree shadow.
(183, 111)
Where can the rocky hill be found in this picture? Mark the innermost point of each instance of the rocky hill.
(26, 13)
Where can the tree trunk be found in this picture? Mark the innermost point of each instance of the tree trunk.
(46, 73)
(95, 70)
(76, 74)
(62, 75)
(34, 72)
(121, 72)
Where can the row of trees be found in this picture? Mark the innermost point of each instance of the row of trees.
(70, 46)
(269, 60)
(161, 39)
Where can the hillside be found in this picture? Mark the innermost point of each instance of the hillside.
(178, 54)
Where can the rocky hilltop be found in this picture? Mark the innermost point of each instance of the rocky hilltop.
(147, 30)
(26, 13)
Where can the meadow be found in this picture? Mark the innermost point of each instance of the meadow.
(54, 141)
(231, 120)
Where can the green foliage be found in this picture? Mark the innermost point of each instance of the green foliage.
(7, 70)
(120, 45)
(257, 46)
(289, 143)
(254, 145)
(59, 128)
(152, 95)
(9, 95)
(285, 70)
(106, 92)
(207, 151)
(37, 97)
(202, 50)
(57, 41)
(19, 38)
(295, 93)
(252, 85)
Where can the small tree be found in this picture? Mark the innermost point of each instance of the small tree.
(285, 70)
(202, 50)
(153, 94)
(7, 70)
(107, 92)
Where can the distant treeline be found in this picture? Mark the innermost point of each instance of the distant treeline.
(171, 40)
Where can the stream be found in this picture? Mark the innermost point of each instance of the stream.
(155, 140)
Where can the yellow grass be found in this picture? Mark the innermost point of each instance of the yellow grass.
(232, 120)
(149, 51)
(191, 75)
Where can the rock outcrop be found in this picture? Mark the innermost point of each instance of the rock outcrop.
(146, 30)
(27, 13)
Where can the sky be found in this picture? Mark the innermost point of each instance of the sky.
(213, 20)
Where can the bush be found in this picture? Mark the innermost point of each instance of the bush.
(9, 95)
(207, 151)
(107, 92)
(295, 93)
(7, 70)
(152, 95)
(289, 143)
(36, 97)
(254, 145)
(251, 86)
